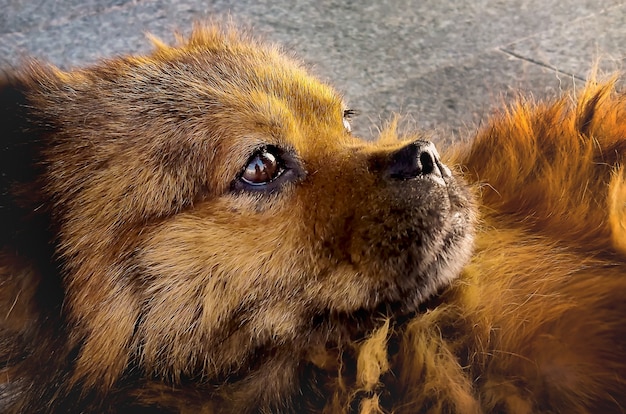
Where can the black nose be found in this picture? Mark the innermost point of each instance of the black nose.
(416, 159)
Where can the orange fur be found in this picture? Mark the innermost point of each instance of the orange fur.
(536, 322)
(140, 271)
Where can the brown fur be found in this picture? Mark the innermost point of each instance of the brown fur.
(138, 271)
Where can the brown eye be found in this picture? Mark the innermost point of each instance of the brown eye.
(267, 171)
(262, 168)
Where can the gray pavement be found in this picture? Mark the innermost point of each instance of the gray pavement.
(443, 65)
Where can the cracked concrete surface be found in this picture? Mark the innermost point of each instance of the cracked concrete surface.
(444, 65)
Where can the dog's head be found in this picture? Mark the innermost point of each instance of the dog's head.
(209, 205)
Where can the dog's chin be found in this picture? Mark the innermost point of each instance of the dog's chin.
(415, 284)
(455, 252)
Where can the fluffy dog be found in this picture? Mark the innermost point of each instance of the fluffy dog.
(197, 230)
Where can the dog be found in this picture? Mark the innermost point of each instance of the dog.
(197, 230)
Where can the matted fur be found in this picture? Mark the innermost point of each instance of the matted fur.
(138, 272)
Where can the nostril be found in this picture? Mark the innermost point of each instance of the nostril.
(427, 162)
(419, 158)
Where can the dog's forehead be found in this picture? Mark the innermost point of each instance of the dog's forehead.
(230, 65)
(259, 79)
(244, 88)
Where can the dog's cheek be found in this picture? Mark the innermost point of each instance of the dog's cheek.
(212, 277)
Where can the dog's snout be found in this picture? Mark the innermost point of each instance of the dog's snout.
(419, 158)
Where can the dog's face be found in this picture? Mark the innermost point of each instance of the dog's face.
(210, 204)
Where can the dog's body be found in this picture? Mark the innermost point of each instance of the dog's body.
(197, 231)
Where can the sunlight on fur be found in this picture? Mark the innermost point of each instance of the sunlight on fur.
(198, 230)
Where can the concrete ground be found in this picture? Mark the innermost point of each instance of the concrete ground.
(443, 64)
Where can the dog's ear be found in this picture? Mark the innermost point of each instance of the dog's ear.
(16, 135)
(20, 142)
(26, 236)
(13, 149)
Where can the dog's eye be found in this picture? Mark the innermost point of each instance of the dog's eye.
(268, 170)
(347, 117)
(262, 168)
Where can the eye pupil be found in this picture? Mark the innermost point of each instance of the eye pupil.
(261, 169)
